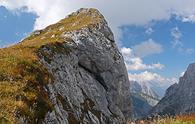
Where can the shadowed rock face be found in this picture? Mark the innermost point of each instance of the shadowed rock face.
(90, 82)
(179, 98)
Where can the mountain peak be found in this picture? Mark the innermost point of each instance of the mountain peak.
(190, 70)
(92, 12)
(83, 18)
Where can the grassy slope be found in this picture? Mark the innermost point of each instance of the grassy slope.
(180, 119)
(184, 119)
(22, 77)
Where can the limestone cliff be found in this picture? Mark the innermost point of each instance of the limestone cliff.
(179, 98)
(69, 73)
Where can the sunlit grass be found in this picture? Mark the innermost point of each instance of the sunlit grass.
(179, 119)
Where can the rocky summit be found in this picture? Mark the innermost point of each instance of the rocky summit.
(179, 98)
(70, 72)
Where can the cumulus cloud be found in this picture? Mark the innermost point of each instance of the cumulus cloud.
(148, 76)
(134, 63)
(177, 43)
(153, 79)
(131, 11)
(48, 11)
(147, 48)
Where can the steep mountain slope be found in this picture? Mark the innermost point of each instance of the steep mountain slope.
(71, 72)
(179, 98)
(160, 87)
(140, 106)
(143, 99)
(145, 91)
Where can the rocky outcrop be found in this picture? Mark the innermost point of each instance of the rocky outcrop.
(69, 73)
(179, 98)
(90, 81)
(143, 99)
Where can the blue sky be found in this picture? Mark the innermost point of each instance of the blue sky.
(156, 37)
(175, 61)
(14, 26)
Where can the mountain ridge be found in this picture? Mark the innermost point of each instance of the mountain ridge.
(179, 98)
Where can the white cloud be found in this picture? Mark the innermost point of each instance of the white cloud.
(176, 34)
(127, 52)
(147, 48)
(177, 43)
(152, 78)
(135, 63)
(146, 76)
(48, 11)
(125, 12)
(149, 31)
(189, 18)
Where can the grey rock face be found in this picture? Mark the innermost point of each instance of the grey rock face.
(140, 106)
(143, 99)
(90, 83)
(145, 91)
(179, 98)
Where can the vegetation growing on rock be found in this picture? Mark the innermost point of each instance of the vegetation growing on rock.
(23, 79)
